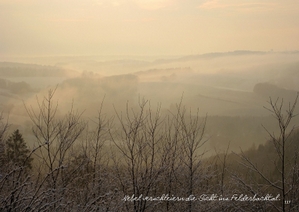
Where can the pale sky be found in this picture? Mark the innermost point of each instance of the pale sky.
(146, 27)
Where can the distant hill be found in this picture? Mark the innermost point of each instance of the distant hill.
(212, 55)
(8, 69)
(15, 87)
(269, 90)
(169, 74)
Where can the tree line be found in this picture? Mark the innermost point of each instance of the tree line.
(117, 163)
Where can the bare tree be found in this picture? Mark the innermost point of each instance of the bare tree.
(3, 130)
(285, 165)
(97, 179)
(139, 140)
(221, 166)
(55, 136)
(15, 174)
(172, 156)
(192, 135)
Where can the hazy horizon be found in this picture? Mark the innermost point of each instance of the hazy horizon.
(146, 27)
(226, 56)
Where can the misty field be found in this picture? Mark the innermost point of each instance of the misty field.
(213, 132)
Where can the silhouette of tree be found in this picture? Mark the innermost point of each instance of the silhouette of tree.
(17, 151)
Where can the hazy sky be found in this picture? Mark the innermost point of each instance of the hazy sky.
(146, 27)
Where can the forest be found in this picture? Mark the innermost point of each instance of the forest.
(197, 133)
(143, 159)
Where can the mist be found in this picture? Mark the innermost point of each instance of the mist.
(230, 88)
(124, 98)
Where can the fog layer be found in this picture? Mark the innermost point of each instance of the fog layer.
(231, 88)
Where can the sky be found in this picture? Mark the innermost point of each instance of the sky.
(146, 27)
